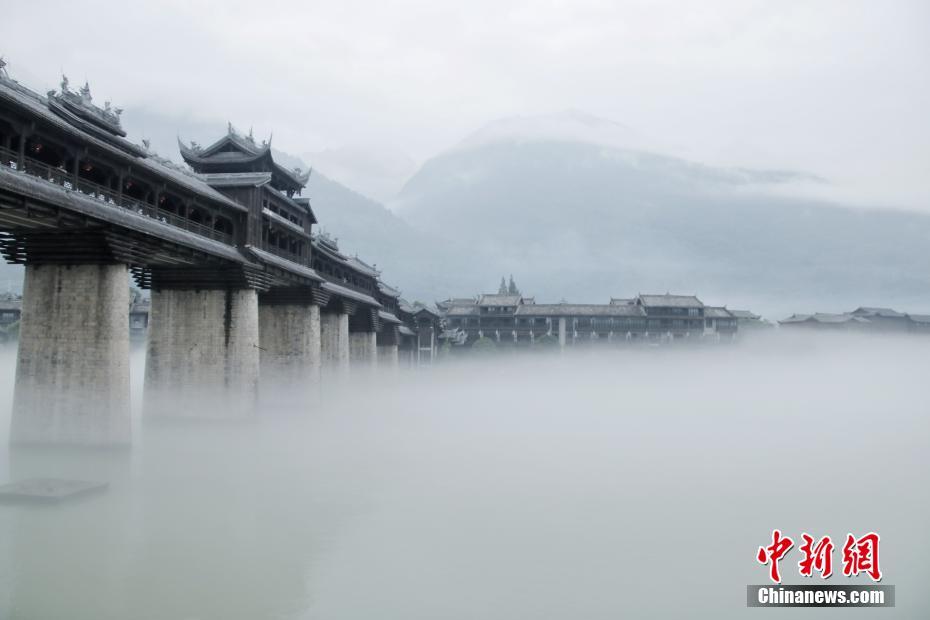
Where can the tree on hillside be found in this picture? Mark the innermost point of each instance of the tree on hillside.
(503, 287)
(512, 287)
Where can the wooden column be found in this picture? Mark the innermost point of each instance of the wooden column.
(21, 156)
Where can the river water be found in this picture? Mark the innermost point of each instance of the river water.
(635, 484)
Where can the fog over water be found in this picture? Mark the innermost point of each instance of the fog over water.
(633, 483)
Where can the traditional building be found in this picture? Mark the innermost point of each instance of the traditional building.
(514, 320)
(720, 322)
(863, 319)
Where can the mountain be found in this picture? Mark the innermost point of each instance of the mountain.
(373, 171)
(415, 262)
(587, 219)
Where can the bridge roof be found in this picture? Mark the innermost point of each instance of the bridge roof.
(283, 263)
(30, 102)
(327, 247)
(348, 293)
(390, 291)
(389, 317)
(37, 189)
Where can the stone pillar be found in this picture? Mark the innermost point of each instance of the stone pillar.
(388, 357)
(203, 355)
(561, 332)
(72, 371)
(363, 349)
(334, 345)
(289, 337)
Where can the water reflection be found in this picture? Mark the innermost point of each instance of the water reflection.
(554, 489)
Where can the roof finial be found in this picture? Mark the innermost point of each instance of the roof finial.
(64, 83)
(3, 73)
(229, 128)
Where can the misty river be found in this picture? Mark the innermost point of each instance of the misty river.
(622, 484)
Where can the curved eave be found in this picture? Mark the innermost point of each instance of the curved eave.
(388, 317)
(198, 157)
(342, 291)
(282, 263)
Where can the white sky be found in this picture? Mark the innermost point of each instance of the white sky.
(841, 89)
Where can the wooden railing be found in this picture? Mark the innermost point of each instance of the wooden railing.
(33, 167)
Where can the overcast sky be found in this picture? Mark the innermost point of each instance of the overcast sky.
(841, 89)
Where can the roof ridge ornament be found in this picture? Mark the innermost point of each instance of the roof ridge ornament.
(82, 104)
(3, 72)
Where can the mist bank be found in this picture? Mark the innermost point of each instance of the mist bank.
(522, 486)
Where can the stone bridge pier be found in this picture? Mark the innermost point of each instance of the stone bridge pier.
(334, 345)
(72, 370)
(290, 332)
(388, 348)
(203, 353)
(363, 342)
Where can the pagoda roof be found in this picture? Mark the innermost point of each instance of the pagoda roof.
(234, 149)
(237, 179)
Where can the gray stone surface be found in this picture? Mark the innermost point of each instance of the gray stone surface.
(72, 373)
(334, 350)
(203, 354)
(289, 337)
(363, 349)
(388, 358)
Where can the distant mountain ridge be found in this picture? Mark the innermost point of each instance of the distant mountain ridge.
(583, 220)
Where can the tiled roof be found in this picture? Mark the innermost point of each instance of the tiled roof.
(671, 301)
(825, 318)
(605, 310)
(499, 300)
(462, 311)
(22, 97)
(237, 179)
(390, 291)
(713, 312)
(882, 312)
